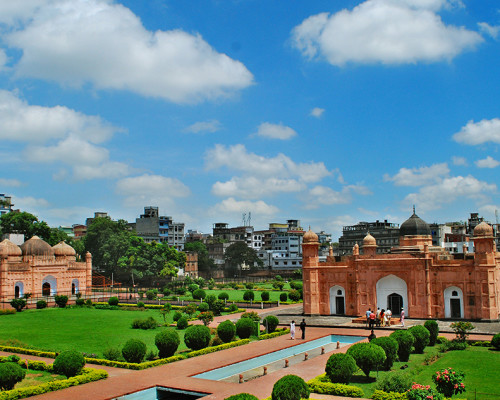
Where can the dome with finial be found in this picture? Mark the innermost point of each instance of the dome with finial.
(63, 249)
(36, 247)
(310, 237)
(483, 229)
(7, 248)
(369, 240)
(414, 226)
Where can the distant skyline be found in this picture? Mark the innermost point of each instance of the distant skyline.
(330, 112)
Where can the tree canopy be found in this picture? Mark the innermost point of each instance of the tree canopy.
(24, 223)
(238, 254)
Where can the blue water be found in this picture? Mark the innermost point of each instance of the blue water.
(162, 393)
(237, 368)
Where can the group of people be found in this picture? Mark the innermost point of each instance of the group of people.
(380, 317)
(302, 327)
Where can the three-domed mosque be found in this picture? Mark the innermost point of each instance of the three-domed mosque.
(423, 280)
(41, 270)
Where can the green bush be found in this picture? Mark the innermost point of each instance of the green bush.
(367, 356)
(134, 351)
(441, 339)
(294, 295)
(421, 336)
(69, 363)
(181, 290)
(41, 304)
(433, 328)
(197, 337)
(147, 323)
(223, 296)
(218, 307)
(192, 287)
(215, 341)
(167, 341)
(248, 295)
(182, 323)
(151, 294)
(297, 285)
(340, 367)
(462, 329)
(290, 387)
(244, 328)
(322, 385)
(61, 300)
(405, 343)
(226, 331)
(390, 347)
(88, 302)
(264, 296)
(242, 396)
(18, 304)
(203, 307)
(454, 344)
(233, 307)
(113, 301)
(199, 294)
(381, 395)
(271, 322)
(177, 316)
(10, 374)
(140, 304)
(249, 285)
(495, 341)
(398, 382)
(80, 302)
(112, 354)
(252, 315)
(283, 296)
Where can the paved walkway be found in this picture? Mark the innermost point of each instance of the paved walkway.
(179, 375)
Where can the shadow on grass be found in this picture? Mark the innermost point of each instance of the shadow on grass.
(362, 379)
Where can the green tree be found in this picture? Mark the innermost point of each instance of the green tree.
(24, 223)
(238, 254)
(205, 263)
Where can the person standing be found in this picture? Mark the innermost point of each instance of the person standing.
(388, 314)
(378, 316)
(372, 320)
(292, 330)
(402, 317)
(303, 328)
(368, 316)
(382, 317)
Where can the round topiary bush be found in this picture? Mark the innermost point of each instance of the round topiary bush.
(264, 296)
(249, 285)
(182, 323)
(495, 341)
(223, 296)
(203, 307)
(177, 316)
(151, 294)
(367, 356)
(405, 343)
(167, 341)
(433, 328)
(242, 396)
(197, 337)
(192, 287)
(271, 322)
(244, 328)
(294, 295)
(226, 331)
(140, 304)
(421, 336)
(290, 387)
(233, 307)
(248, 295)
(113, 301)
(134, 351)
(283, 296)
(61, 300)
(69, 363)
(199, 294)
(40, 304)
(390, 346)
(10, 374)
(340, 367)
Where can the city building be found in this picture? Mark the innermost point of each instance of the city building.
(386, 233)
(5, 204)
(425, 281)
(153, 227)
(98, 214)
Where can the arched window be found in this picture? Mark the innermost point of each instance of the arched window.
(453, 302)
(49, 286)
(18, 290)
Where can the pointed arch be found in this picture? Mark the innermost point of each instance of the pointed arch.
(337, 300)
(388, 288)
(453, 302)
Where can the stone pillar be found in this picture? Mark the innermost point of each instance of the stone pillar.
(3, 280)
(88, 275)
(310, 262)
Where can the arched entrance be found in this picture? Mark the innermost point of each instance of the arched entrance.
(392, 293)
(74, 287)
(337, 300)
(49, 286)
(18, 290)
(453, 302)
(46, 289)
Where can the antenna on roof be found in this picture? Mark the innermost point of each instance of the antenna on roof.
(413, 208)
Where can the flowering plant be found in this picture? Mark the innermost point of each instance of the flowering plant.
(449, 382)
(422, 392)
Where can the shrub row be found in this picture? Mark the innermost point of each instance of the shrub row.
(381, 395)
(321, 385)
(265, 336)
(213, 349)
(7, 311)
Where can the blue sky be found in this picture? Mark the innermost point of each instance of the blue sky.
(331, 112)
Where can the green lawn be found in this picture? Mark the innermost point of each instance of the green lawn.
(237, 295)
(84, 329)
(481, 367)
(34, 378)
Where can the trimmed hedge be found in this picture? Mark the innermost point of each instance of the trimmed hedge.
(290, 387)
(134, 350)
(405, 342)
(390, 347)
(340, 367)
(213, 349)
(226, 331)
(244, 328)
(69, 363)
(421, 336)
(167, 341)
(197, 337)
(381, 395)
(7, 311)
(433, 328)
(282, 332)
(322, 385)
(495, 341)
(242, 396)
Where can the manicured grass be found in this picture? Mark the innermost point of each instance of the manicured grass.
(237, 295)
(84, 329)
(34, 378)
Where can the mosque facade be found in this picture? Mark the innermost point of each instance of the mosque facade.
(423, 280)
(41, 270)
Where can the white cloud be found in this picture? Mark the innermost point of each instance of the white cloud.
(252, 187)
(10, 182)
(204, 126)
(232, 206)
(20, 121)
(489, 209)
(275, 131)
(489, 29)
(487, 162)
(237, 158)
(317, 112)
(449, 190)
(323, 195)
(475, 133)
(459, 161)
(30, 204)
(419, 176)
(60, 40)
(383, 31)
(151, 190)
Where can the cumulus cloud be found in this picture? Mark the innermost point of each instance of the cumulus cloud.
(10, 182)
(29, 203)
(204, 126)
(252, 187)
(449, 190)
(419, 176)
(489, 29)
(20, 121)
(60, 40)
(459, 161)
(323, 195)
(488, 162)
(233, 206)
(275, 131)
(475, 133)
(383, 31)
(317, 112)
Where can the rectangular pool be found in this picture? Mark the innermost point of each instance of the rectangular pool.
(260, 361)
(162, 393)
